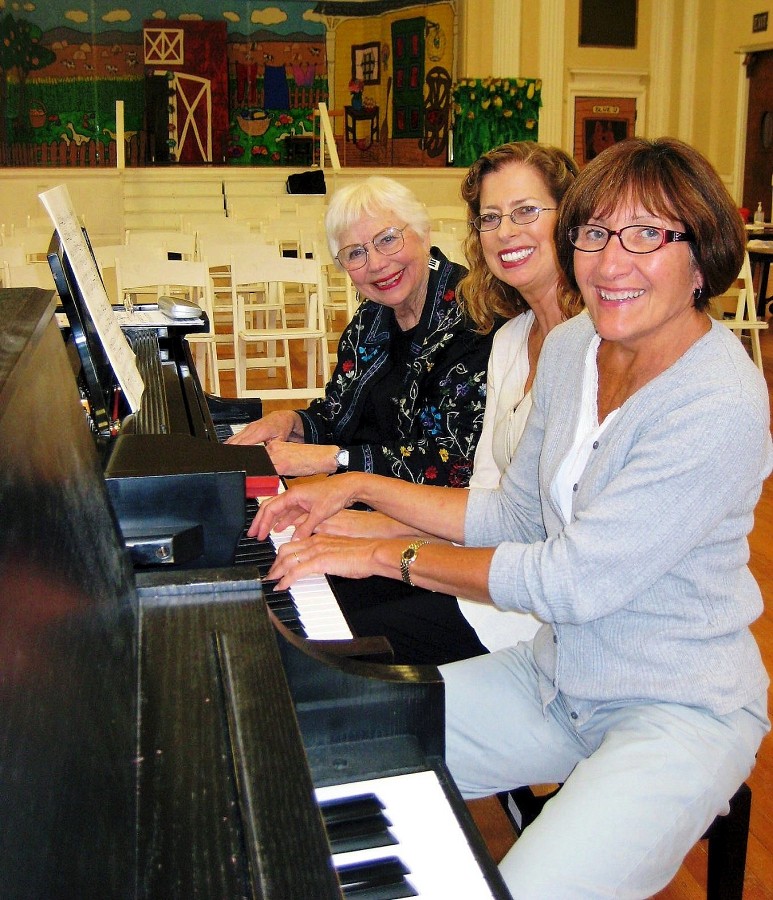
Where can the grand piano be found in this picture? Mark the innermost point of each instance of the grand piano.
(164, 734)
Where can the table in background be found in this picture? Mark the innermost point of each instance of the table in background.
(353, 116)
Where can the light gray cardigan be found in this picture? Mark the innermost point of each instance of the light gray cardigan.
(646, 591)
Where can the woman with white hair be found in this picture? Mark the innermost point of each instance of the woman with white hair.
(407, 395)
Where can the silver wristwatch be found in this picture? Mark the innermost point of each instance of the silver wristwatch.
(342, 460)
(408, 558)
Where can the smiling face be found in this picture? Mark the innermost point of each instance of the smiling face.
(641, 301)
(522, 256)
(398, 281)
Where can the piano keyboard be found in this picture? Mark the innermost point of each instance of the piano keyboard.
(310, 607)
(425, 853)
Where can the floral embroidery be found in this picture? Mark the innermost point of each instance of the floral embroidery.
(443, 454)
(449, 295)
(431, 473)
(347, 365)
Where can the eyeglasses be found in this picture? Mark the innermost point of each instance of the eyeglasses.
(521, 215)
(634, 238)
(387, 242)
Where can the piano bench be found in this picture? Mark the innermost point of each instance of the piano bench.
(727, 836)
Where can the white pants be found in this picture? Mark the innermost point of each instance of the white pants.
(642, 782)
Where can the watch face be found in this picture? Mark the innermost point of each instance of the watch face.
(408, 554)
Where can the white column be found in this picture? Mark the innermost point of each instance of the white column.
(551, 56)
(689, 63)
(661, 63)
(507, 39)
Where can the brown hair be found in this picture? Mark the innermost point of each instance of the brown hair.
(670, 179)
(484, 296)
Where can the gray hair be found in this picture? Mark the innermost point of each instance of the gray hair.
(374, 196)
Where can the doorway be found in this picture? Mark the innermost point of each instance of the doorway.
(758, 163)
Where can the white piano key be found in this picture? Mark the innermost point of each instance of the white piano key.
(431, 841)
(318, 608)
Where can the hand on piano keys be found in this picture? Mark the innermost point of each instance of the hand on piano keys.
(310, 608)
(428, 841)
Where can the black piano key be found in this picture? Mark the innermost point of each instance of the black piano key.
(360, 834)
(344, 809)
(356, 823)
(382, 879)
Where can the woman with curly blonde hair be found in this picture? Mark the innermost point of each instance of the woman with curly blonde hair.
(512, 193)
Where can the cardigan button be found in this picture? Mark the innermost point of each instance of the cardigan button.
(575, 487)
(595, 445)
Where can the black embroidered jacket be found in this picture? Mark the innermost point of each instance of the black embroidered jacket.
(438, 413)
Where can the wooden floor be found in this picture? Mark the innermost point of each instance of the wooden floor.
(690, 881)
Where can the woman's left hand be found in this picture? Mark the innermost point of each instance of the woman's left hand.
(290, 458)
(323, 554)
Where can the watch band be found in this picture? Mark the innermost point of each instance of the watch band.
(408, 558)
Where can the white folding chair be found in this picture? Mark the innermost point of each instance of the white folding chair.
(176, 244)
(256, 346)
(340, 297)
(107, 254)
(217, 252)
(444, 218)
(151, 278)
(737, 309)
(36, 274)
(10, 256)
(450, 244)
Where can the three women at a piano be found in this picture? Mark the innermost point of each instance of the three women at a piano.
(643, 692)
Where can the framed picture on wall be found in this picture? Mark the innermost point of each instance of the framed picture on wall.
(608, 23)
(366, 63)
(599, 122)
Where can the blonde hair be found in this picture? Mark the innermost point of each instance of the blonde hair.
(374, 196)
(484, 296)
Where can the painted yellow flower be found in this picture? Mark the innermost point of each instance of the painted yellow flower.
(443, 454)
(405, 451)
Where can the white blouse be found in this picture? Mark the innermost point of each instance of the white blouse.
(507, 409)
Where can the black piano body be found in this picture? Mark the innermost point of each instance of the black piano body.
(168, 450)
(165, 741)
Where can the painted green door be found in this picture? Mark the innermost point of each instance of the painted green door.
(408, 85)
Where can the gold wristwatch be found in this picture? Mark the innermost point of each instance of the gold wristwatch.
(408, 558)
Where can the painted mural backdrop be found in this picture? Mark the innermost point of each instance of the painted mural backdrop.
(200, 81)
(493, 111)
(210, 81)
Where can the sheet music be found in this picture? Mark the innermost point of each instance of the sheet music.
(59, 207)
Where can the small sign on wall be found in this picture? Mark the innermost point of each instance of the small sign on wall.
(599, 122)
(759, 22)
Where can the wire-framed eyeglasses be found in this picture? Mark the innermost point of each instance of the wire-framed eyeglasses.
(387, 242)
(521, 215)
(634, 238)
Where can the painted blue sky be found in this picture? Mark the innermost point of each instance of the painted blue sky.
(101, 15)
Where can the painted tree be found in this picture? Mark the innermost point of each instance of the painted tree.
(20, 53)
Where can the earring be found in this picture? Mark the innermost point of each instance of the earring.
(697, 293)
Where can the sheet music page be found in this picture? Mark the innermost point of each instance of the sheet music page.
(59, 207)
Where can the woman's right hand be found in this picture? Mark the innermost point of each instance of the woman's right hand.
(283, 425)
(305, 505)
